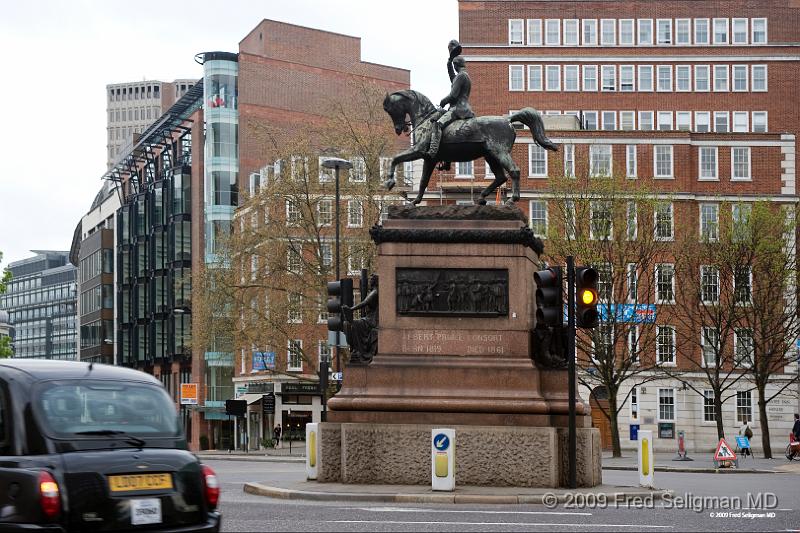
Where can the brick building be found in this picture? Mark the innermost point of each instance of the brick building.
(695, 99)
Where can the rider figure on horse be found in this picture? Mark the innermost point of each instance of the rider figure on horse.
(460, 87)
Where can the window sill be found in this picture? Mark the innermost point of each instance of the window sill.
(663, 177)
(742, 179)
(708, 179)
(667, 365)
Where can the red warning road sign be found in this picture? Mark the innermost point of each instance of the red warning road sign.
(724, 452)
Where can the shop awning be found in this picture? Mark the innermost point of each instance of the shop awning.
(251, 398)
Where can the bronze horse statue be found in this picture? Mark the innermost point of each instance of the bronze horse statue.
(490, 137)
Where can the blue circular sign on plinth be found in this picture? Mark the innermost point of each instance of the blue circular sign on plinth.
(441, 442)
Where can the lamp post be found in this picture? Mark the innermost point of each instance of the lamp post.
(337, 164)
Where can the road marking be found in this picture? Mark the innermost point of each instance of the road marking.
(411, 510)
(425, 523)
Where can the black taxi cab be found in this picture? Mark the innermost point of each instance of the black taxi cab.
(91, 447)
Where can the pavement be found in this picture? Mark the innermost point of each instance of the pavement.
(703, 462)
(276, 455)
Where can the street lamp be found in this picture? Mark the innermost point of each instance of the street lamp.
(337, 164)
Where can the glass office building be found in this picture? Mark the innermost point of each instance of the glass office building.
(41, 304)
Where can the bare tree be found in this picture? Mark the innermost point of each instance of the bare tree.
(607, 223)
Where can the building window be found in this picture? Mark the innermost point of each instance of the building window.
(740, 121)
(742, 285)
(740, 78)
(709, 222)
(589, 32)
(664, 222)
(553, 77)
(590, 78)
(721, 78)
(358, 173)
(683, 78)
(326, 255)
(665, 283)
(552, 35)
(721, 121)
(634, 402)
(709, 413)
(605, 282)
(759, 121)
(664, 120)
(608, 32)
(609, 77)
(571, 78)
(571, 32)
(666, 405)
(739, 31)
(534, 77)
(709, 343)
(720, 31)
(516, 79)
(294, 260)
(664, 31)
(759, 78)
(664, 78)
(600, 160)
(709, 284)
(744, 407)
(665, 345)
(645, 31)
(683, 31)
(601, 225)
(708, 163)
(633, 283)
(701, 31)
(702, 121)
(662, 161)
(701, 78)
(294, 355)
(646, 120)
(537, 161)
(632, 221)
(626, 83)
(515, 31)
(683, 120)
(294, 308)
(325, 212)
(743, 347)
(355, 214)
(292, 213)
(569, 220)
(609, 120)
(645, 78)
(569, 160)
(538, 218)
(740, 163)
(464, 170)
(759, 31)
(626, 32)
(630, 161)
(627, 120)
(535, 32)
(590, 120)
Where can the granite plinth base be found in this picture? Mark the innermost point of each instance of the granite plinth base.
(485, 455)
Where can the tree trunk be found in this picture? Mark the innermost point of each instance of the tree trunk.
(762, 418)
(718, 416)
(616, 449)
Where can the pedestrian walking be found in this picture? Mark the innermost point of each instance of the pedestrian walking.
(745, 431)
(277, 434)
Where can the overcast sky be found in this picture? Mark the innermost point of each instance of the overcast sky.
(59, 55)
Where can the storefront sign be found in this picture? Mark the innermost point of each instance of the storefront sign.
(263, 388)
(300, 388)
(268, 403)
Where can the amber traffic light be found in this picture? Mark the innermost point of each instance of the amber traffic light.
(586, 315)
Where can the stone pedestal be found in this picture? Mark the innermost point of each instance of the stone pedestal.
(454, 350)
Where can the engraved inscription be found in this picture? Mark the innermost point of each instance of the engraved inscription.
(449, 342)
(452, 292)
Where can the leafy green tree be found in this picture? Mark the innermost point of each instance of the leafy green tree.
(5, 347)
(5, 278)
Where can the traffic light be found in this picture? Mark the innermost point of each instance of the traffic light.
(339, 293)
(586, 315)
(549, 297)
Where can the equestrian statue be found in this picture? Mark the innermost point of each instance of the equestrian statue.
(456, 134)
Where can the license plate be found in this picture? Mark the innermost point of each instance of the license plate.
(139, 482)
(146, 511)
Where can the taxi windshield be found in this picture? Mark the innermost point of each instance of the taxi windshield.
(70, 409)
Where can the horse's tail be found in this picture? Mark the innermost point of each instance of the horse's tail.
(533, 119)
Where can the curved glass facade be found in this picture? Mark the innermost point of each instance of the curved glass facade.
(220, 100)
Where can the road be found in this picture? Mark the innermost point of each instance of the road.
(245, 512)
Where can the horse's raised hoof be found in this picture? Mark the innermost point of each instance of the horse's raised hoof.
(549, 145)
(389, 184)
(416, 201)
(482, 201)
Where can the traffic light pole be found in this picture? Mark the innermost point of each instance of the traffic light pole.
(573, 437)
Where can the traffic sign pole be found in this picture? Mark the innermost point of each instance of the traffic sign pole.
(573, 437)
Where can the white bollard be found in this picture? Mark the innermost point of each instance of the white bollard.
(312, 450)
(646, 458)
(443, 459)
